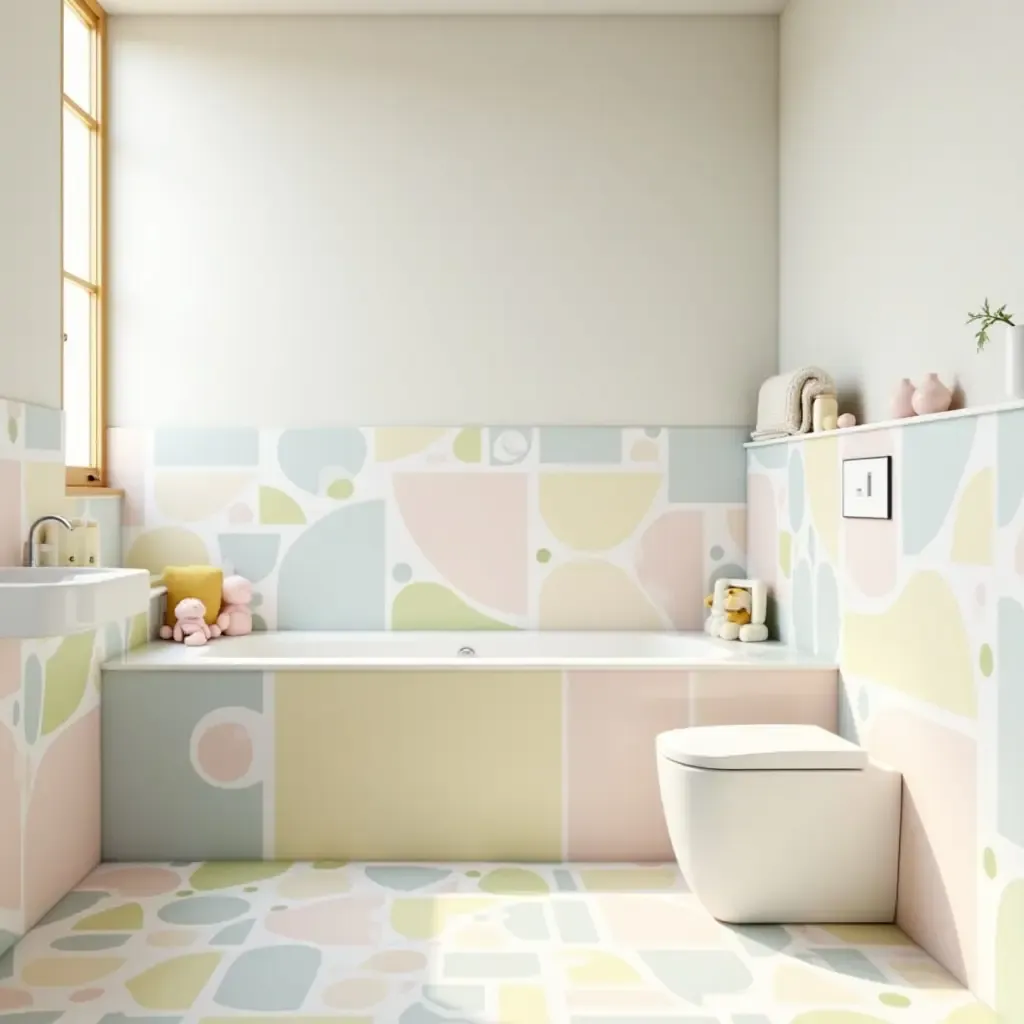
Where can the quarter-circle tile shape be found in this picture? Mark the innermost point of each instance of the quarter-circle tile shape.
(974, 525)
(595, 595)
(918, 645)
(472, 528)
(468, 445)
(935, 456)
(333, 575)
(596, 511)
(279, 509)
(67, 675)
(156, 549)
(304, 454)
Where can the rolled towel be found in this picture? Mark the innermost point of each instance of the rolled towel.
(784, 403)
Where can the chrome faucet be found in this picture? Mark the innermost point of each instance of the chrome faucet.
(31, 550)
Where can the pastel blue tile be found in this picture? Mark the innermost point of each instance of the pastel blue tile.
(851, 962)
(934, 458)
(7, 941)
(696, 974)
(44, 429)
(76, 902)
(147, 720)
(762, 939)
(564, 880)
(584, 445)
(767, 456)
(1009, 445)
(89, 943)
(333, 575)
(707, 464)
(1009, 662)
(206, 446)
(305, 454)
(270, 978)
(252, 555)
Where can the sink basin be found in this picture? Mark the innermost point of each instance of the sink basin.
(38, 602)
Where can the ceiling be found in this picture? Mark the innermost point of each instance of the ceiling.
(301, 7)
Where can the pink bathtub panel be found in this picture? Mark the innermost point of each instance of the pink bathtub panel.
(806, 697)
(612, 719)
(62, 828)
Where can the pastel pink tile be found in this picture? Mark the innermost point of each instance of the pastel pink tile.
(670, 566)
(10, 666)
(10, 512)
(62, 827)
(805, 697)
(937, 904)
(613, 804)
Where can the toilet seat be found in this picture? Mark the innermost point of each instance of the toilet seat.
(761, 748)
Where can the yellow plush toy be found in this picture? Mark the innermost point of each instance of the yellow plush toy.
(193, 581)
(737, 606)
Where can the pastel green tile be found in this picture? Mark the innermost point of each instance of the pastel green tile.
(206, 446)
(138, 630)
(227, 874)
(341, 490)
(468, 445)
(270, 979)
(333, 575)
(173, 984)
(304, 454)
(988, 861)
(433, 606)
(707, 464)
(513, 880)
(279, 509)
(935, 456)
(44, 429)
(126, 917)
(89, 943)
(581, 445)
(252, 555)
(67, 675)
(147, 724)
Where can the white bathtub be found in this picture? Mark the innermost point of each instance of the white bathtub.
(451, 650)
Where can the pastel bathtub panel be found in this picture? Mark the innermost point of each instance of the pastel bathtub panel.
(938, 901)
(707, 464)
(62, 821)
(183, 761)
(807, 697)
(192, 447)
(418, 765)
(612, 719)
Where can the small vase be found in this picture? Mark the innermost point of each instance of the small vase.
(903, 400)
(932, 396)
(1015, 361)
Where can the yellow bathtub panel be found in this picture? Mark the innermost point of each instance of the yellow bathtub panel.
(418, 765)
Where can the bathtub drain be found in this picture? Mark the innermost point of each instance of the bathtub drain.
(467, 652)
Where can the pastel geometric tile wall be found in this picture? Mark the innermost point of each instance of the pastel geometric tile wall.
(49, 700)
(926, 615)
(444, 528)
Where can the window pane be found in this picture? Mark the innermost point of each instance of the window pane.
(78, 140)
(77, 375)
(78, 60)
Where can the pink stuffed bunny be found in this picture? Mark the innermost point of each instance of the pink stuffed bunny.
(235, 617)
(190, 628)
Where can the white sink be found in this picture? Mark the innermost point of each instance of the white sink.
(38, 602)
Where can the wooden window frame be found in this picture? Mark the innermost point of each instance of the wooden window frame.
(94, 476)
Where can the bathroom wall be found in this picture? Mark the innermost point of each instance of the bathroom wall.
(30, 242)
(402, 221)
(926, 615)
(900, 188)
(444, 528)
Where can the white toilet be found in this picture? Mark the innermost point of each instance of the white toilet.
(781, 823)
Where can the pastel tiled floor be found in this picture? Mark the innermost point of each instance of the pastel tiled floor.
(425, 944)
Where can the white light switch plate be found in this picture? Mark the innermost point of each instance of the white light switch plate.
(867, 488)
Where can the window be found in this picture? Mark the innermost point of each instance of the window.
(83, 263)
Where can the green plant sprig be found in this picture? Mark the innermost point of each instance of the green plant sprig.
(988, 318)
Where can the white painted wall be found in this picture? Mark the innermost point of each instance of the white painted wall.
(442, 220)
(30, 229)
(902, 165)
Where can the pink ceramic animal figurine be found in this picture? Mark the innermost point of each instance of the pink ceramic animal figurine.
(190, 628)
(932, 396)
(235, 617)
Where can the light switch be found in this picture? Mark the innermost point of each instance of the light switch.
(867, 488)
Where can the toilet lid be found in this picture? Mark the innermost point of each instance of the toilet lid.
(760, 747)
